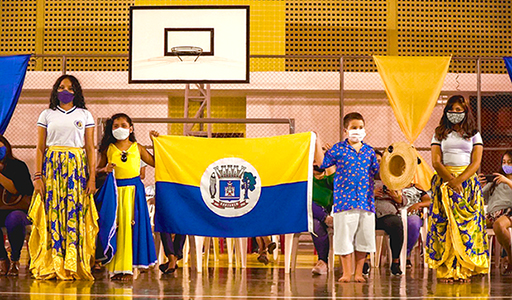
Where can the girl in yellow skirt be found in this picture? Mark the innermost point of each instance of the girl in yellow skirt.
(456, 242)
(62, 212)
(125, 228)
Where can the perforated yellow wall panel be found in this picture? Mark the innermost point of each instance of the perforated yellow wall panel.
(458, 28)
(18, 27)
(292, 27)
(85, 27)
(347, 27)
(267, 27)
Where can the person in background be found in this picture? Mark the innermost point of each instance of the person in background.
(498, 194)
(387, 204)
(16, 181)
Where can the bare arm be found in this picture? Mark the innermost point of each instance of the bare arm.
(319, 153)
(40, 148)
(103, 165)
(437, 163)
(146, 156)
(91, 160)
(8, 184)
(476, 160)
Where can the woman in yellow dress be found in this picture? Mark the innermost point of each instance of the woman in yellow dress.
(125, 228)
(63, 214)
(456, 242)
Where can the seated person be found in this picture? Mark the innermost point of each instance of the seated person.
(322, 203)
(415, 200)
(498, 195)
(387, 203)
(15, 179)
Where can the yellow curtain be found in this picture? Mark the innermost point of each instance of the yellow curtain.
(413, 84)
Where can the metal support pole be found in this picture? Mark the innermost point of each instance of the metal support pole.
(342, 97)
(479, 94)
(479, 99)
(64, 65)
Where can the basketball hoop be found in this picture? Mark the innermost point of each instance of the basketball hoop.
(187, 51)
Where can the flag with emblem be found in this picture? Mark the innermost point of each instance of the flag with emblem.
(234, 187)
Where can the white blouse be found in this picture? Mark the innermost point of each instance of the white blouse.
(456, 149)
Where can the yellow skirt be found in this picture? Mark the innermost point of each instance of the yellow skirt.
(457, 241)
(122, 262)
(64, 222)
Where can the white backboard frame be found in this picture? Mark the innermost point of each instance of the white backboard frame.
(221, 31)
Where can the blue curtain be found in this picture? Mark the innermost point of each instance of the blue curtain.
(12, 75)
(508, 64)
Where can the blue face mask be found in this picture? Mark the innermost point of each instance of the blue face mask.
(3, 151)
(507, 169)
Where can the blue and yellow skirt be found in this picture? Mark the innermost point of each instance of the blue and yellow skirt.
(457, 242)
(64, 229)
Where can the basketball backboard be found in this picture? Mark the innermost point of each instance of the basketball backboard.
(189, 44)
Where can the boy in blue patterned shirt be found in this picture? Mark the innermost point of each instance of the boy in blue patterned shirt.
(353, 205)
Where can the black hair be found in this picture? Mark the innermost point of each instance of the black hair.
(108, 137)
(351, 116)
(467, 127)
(78, 100)
(8, 148)
(493, 186)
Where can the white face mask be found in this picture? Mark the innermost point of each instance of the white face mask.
(121, 133)
(455, 117)
(356, 135)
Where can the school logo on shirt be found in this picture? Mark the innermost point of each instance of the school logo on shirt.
(230, 187)
(79, 124)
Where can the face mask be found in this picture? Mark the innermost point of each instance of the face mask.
(455, 117)
(356, 135)
(121, 133)
(507, 169)
(3, 151)
(65, 97)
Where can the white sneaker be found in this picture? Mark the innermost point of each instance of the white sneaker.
(320, 268)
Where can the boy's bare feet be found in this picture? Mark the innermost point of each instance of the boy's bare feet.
(344, 279)
(359, 278)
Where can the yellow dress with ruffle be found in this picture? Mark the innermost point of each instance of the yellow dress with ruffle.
(122, 262)
(64, 222)
(457, 244)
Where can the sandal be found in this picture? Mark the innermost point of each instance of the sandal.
(164, 268)
(5, 264)
(271, 247)
(263, 258)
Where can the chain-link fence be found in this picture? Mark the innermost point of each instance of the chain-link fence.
(316, 100)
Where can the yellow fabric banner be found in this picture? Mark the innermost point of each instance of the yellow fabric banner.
(413, 84)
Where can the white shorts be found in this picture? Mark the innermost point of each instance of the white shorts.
(354, 229)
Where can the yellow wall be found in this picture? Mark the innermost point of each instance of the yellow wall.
(222, 107)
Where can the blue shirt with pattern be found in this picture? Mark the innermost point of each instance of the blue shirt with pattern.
(353, 181)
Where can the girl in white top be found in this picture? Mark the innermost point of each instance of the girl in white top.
(63, 213)
(498, 193)
(456, 242)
